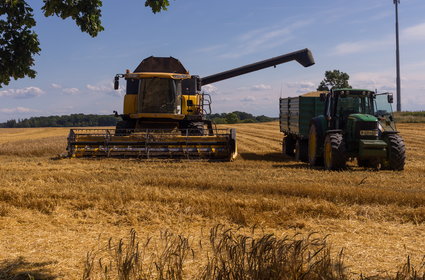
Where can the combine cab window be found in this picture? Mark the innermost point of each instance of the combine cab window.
(157, 95)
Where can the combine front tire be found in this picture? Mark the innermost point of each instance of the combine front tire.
(396, 156)
(123, 128)
(334, 152)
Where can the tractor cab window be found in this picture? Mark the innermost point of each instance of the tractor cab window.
(158, 95)
(382, 106)
(348, 105)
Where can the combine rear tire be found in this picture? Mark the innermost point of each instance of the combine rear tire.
(313, 145)
(396, 156)
(334, 154)
(288, 146)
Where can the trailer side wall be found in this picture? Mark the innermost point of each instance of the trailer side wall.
(297, 112)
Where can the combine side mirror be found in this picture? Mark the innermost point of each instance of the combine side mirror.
(390, 98)
(323, 97)
(116, 82)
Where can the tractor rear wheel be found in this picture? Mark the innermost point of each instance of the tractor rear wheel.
(334, 154)
(313, 146)
(396, 155)
(301, 150)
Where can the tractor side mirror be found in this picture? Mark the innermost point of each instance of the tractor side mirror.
(390, 98)
(116, 82)
(323, 97)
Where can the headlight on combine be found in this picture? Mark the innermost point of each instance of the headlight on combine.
(369, 132)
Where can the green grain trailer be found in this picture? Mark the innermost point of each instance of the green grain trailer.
(295, 116)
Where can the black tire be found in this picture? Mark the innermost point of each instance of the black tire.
(334, 155)
(288, 146)
(123, 128)
(193, 129)
(396, 156)
(301, 150)
(314, 159)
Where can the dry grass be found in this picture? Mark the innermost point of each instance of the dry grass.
(53, 211)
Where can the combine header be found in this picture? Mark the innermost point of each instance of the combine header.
(164, 114)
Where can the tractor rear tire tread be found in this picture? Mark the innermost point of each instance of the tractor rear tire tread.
(338, 153)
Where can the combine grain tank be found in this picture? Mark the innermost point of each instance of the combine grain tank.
(164, 114)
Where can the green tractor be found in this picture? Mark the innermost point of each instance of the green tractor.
(359, 124)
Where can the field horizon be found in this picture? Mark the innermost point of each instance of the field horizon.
(53, 211)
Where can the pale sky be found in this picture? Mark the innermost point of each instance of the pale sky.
(75, 71)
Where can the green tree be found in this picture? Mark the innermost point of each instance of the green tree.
(19, 43)
(232, 118)
(335, 79)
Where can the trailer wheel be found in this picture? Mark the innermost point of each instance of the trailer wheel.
(313, 145)
(288, 146)
(301, 150)
(396, 156)
(334, 154)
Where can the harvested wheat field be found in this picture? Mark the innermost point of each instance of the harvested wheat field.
(52, 212)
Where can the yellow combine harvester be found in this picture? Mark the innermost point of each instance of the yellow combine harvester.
(164, 114)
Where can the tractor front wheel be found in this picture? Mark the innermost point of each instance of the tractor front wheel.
(334, 154)
(396, 155)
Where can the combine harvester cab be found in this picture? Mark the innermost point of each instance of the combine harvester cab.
(165, 112)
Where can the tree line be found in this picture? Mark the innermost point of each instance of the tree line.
(63, 121)
(238, 117)
(81, 120)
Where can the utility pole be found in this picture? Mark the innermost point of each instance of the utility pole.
(396, 2)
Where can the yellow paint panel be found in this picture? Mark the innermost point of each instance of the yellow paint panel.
(191, 104)
(130, 104)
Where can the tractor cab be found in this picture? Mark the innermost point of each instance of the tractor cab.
(343, 105)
